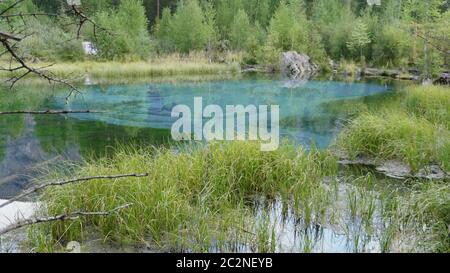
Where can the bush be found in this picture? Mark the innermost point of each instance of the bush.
(392, 46)
(50, 43)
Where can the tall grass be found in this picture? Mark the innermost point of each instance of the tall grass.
(414, 129)
(158, 67)
(194, 199)
(429, 102)
(397, 135)
(424, 211)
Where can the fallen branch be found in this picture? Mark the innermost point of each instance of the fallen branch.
(61, 183)
(48, 112)
(62, 217)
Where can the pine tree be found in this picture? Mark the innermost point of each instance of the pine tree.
(288, 28)
(188, 30)
(240, 30)
(359, 38)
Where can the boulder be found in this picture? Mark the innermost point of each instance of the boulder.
(297, 66)
(443, 79)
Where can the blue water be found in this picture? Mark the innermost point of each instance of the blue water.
(141, 113)
(302, 115)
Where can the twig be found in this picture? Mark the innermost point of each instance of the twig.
(4, 35)
(62, 217)
(29, 14)
(11, 7)
(28, 69)
(49, 112)
(83, 18)
(61, 183)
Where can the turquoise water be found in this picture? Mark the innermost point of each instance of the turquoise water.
(140, 113)
(302, 115)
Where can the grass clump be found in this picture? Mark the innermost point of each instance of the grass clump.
(429, 102)
(415, 129)
(432, 204)
(423, 211)
(397, 135)
(193, 199)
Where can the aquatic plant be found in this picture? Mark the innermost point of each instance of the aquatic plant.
(192, 195)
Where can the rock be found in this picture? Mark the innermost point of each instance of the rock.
(297, 66)
(444, 79)
(432, 172)
(394, 169)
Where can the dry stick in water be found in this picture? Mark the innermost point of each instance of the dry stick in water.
(61, 183)
(62, 217)
(49, 112)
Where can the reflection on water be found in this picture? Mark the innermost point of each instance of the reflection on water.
(301, 115)
(140, 113)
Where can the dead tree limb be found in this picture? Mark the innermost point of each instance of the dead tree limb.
(4, 35)
(30, 70)
(10, 7)
(65, 182)
(49, 112)
(6, 40)
(62, 217)
(83, 19)
(20, 14)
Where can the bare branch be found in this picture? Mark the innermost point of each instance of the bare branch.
(62, 217)
(65, 182)
(28, 15)
(49, 112)
(11, 49)
(83, 19)
(6, 36)
(11, 7)
(28, 69)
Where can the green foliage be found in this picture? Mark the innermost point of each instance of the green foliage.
(50, 43)
(240, 31)
(259, 11)
(335, 23)
(398, 34)
(414, 130)
(188, 29)
(129, 25)
(162, 31)
(359, 38)
(392, 46)
(226, 10)
(288, 28)
(201, 202)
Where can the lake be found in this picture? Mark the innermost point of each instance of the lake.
(140, 113)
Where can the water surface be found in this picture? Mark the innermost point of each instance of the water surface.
(140, 113)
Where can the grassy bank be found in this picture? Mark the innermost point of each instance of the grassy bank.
(172, 65)
(205, 201)
(414, 129)
(233, 197)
